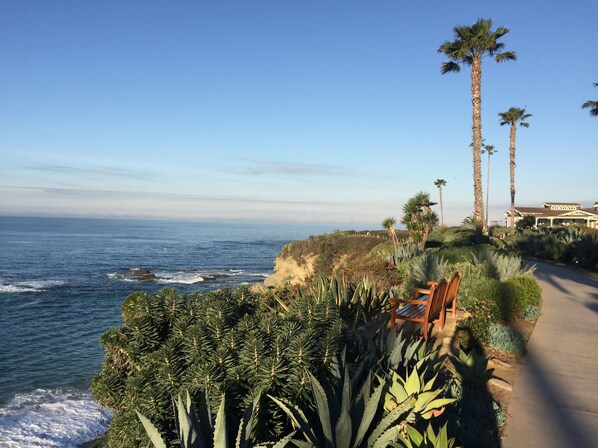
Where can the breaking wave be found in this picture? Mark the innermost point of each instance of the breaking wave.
(61, 418)
(29, 286)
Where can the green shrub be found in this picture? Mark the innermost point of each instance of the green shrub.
(484, 295)
(532, 313)
(521, 293)
(506, 338)
(220, 341)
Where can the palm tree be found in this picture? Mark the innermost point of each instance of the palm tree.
(511, 117)
(389, 225)
(440, 183)
(471, 45)
(592, 105)
(488, 149)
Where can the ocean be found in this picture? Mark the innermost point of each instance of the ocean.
(62, 282)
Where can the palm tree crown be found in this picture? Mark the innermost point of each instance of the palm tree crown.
(470, 46)
(592, 105)
(513, 116)
(474, 43)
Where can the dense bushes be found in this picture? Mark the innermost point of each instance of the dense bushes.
(220, 342)
(574, 245)
(287, 350)
(522, 292)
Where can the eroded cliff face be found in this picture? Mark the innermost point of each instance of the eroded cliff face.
(288, 271)
(350, 254)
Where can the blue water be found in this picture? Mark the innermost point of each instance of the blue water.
(62, 282)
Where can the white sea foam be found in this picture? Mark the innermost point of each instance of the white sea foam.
(51, 418)
(29, 286)
(180, 277)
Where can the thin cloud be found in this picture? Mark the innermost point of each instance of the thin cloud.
(104, 194)
(257, 168)
(99, 171)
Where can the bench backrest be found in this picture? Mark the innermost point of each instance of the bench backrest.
(436, 299)
(452, 288)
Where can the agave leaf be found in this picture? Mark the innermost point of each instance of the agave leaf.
(415, 437)
(220, 439)
(442, 440)
(152, 432)
(344, 429)
(389, 419)
(302, 444)
(413, 385)
(247, 423)
(371, 407)
(188, 426)
(298, 418)
(390, 435)
(424, 399)
(283, 442)
(323, 407)
(430, 383)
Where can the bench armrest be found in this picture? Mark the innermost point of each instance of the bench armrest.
(420, 292)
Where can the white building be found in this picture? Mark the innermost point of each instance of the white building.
(558, 214)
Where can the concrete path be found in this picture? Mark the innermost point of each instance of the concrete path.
(555, 397)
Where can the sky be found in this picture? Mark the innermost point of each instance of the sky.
(305, 111)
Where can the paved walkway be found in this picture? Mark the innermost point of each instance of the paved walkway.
(555, 397)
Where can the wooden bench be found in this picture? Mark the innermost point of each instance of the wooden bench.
(450, 298)
(426, 306)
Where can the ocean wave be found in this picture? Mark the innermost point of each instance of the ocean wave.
(61, 418)
(180, 277)
(30, 286)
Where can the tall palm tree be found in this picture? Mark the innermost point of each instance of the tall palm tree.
(511, 117)
(592, 105)
(470, 46)
(440, 183)
(488, 149)
(389, 225)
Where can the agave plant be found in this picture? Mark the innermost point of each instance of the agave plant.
(470, 368)
(420, 394)
(343, 419)
(412, 438)
(208, 432)
(404, 354)
(508, 267)
(428, 267)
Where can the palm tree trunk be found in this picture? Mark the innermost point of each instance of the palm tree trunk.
(512, 137)
(476, 100)
(441, 209)
(488, 193)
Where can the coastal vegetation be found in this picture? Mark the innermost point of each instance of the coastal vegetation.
(314, 364)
